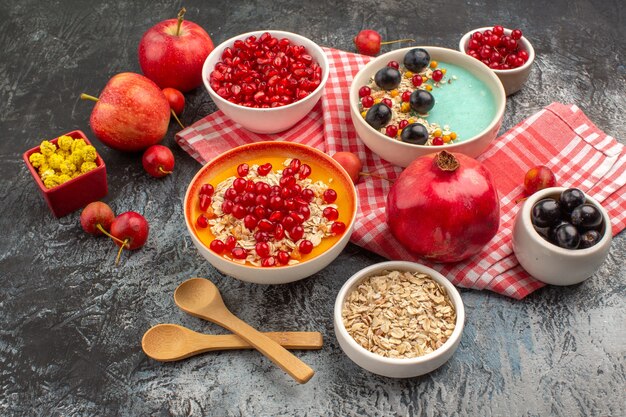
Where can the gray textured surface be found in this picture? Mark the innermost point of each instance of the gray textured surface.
(72, 322)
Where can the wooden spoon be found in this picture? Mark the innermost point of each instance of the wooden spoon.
(201, 298)
(171, 342)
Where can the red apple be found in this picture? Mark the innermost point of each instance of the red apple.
(131, 113)
(172, 53)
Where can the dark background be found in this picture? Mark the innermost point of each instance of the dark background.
(72, 321)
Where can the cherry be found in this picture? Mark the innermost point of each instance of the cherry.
(158, 161)
(368, 42)
(305, 247)
(96, 218)
(129, 231)
(338, 228)
(217, 246)
(176, 100)
(243, 169)
(538, 178)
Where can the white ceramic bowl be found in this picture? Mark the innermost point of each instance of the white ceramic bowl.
(280, 274)
(512, 79)
(271, 120)
(402, 153)
(550, 263)
(398, 368)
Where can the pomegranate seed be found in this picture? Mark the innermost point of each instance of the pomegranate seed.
(298, 217)
(305, 211)
(239, 211)
(286, 192)
(265, 225)
(227, 206)
(207, 189)
(365, 91)
(217, 246)
(262, 249)
(516, 34)
(296, 189)
(276, 202)
(239, 184)
(242, 170)
(261, 237)
(437, 75)
(262, 188)
(416, 80)
(296, 233)
(305, 246)
(230, 243)
(308, 195)
(230, 194)
(288, 223)
(202, 221)
(288, 172)
(338, 228)
(330, 213)
(330, 195)
(367, 101)
(250, 187)
(262, 200)
(438, 141)
(406, 96)
(305, 171)
(205, 202)
(239, 253)
(268, 262)
(283, 257)
(250, 221)
(276, 216)
(260, 212)
(275, 190)
(290, 204)
(279, 232)
(295, 164)
(287, 182)
(249, 199)
(264, 169)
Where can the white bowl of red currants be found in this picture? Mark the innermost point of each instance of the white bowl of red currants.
(561, 236)
(266, 81)
(506, 51)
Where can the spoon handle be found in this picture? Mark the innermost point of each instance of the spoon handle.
(289, 363)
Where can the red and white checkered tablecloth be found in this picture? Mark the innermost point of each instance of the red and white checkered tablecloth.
(559, 136)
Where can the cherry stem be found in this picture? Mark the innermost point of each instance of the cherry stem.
(519, 200)
(88, 97)
(164, 171)
(119, 252)
(369, 174)
(181, 15)
(104, 232)
(398, 40)
(177, 119)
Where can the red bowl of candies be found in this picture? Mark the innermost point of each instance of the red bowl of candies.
(506, 51)
(69, 172)
(266, 81)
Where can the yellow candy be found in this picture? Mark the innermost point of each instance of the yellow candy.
(65, 142)
(87, 166)
(78, 144)
(37, 159)
(405, 107)
(437, 133)
(453, 135)
(394, 93)
(89, 153)
(47, 148)
(433, 64)
(55, 161)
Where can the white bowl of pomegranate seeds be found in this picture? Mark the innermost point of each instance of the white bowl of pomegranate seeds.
(561, 236)
(399, 319)
(506, 51)
(266, 81)
(271, 212)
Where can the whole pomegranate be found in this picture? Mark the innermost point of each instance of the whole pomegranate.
(444, 207)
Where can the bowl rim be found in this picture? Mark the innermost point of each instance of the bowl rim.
(432, 149)
(360, 275)
(539, 240)
(529, 47)
(229, 42)
(237, 149)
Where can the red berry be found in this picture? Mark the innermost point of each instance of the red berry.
(519, 62)
(295, 164)
(239, 184)
(391, 131)
(403, 124)
(217, 246)
(367, 101)
(485, 52)
(262, 200)
(473, 44)
(264, 169)
(276, 202)
(277, 216)
(230, 243)
(207, 189)
(406, 96)
(498, 30)
(265, 225)
(511, 45)
(438, 141)
(250, 221)
(437, 75)
(288, 172)
(239, 253)
(487, 34)
(260, 212)
(416, 80)
(477, 36)
(298, 217)
(202, 221)
(307, 195)
(305, 171)
(283, 257)
(262, 249)
(387, 102)
(338, 228)
(523, 55)
(305, 211)
(288, 222)
(365, 91)
(227, 206)
(393, 64)
(511, 59)
(242, 170)
(516, 34)
(261, 236)
(230, 194)
(330, 213)
(268, 262)
(262, 188)
(330, 195)
(368, 42)
(496, 58)
(296, 233)
(279, 232)
(305, 246)
(239, 211)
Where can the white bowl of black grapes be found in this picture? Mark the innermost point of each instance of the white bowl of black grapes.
(561, 235)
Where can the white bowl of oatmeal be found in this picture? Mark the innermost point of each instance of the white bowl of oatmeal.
(270, 212)
(445, 100)
(399, 319)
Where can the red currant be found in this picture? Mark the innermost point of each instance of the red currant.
(498, 30)
(365, 91)
(523, 55)
(519, 62)
(393, 64)
(438, 141)
(242, 170)
(338, 228)
(473, 44)
(305, 247)
(391, 131)
(406, 96)
(516, 34)
(437, 75)
(403, 124)
(416, 80)
(387, 102)
(217, 246)
(367, 101)
(477, 36)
